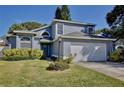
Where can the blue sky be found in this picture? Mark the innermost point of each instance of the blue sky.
(45, 14)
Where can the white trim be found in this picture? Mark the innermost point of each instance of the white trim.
(43, 32)
(24, 32)
(88, 38)
(54, 55)
(62, 28)
(56, 29)
(106, 55)
(40, 28)
(119, 46)
(24, 37)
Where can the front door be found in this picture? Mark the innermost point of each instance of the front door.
(46, 49)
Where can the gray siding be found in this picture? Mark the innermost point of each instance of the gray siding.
(69, 28)
(25, 45)
(55, 49)
(53, 32)
(37, 44)
(12, 41)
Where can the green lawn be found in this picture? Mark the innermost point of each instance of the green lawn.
(34, 73)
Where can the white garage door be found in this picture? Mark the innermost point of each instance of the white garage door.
(89, 52)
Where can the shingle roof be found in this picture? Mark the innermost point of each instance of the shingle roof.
(77, 34)
(81, 35)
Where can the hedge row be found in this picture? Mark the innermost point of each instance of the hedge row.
(17, 58)
(29, 53)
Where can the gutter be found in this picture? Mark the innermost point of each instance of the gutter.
(104, 39)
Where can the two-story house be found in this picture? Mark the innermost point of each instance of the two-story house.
(62, 38)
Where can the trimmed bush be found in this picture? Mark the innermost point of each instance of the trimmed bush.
(58, 66)
(117, 56)
(22, 54)
(17, 58)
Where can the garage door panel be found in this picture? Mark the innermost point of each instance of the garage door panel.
(89, 52)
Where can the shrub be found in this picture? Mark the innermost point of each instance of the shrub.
(69, 59)
(58, 66)
(22, 54)
(36, 53)
(43, 56)
(16, 58)
(117, 56)
(54, 58)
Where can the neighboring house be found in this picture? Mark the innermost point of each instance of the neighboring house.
(64, 38)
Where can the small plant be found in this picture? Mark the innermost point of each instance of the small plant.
(58, 66)
(69, 59)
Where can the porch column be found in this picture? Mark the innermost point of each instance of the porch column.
(17, 42)
(32, 42)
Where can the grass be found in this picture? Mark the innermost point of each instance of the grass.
(34, 73)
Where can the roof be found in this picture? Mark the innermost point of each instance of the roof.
(73, 22)
(10, 35)
(45, 41)
(25, 32)
(76, 34)
(81, 35)
(43, 27)
(65, 21)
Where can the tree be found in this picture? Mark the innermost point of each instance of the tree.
(25, 26)
(115, 20)
(31, 25)
(116, 16)
(105, 32)
(58, 13)
(16, 27)
(65, 12)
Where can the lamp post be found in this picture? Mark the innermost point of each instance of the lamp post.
(59, 48)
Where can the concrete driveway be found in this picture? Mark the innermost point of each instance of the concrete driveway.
(112, 69)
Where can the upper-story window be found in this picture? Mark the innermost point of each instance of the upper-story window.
(25, 39)
(45, 35)
(60, 28)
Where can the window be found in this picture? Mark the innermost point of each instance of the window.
(45, 35)
(25, 39)
(60, 28)
(25, 42)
